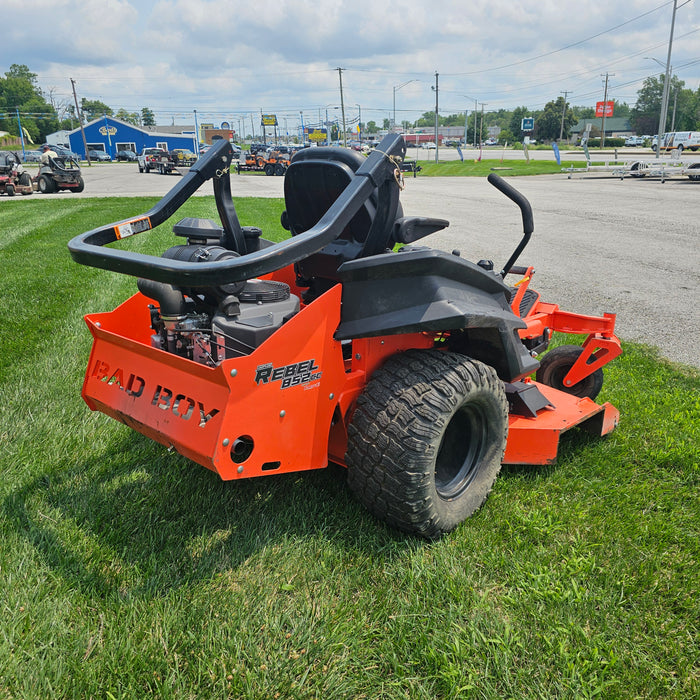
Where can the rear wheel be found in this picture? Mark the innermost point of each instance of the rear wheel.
(10, 189)
(46, 184)
(555, 365)
(269, 169)
(426, 440)
(636, 170)
(279, 169)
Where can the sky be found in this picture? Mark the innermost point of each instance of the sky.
(230, 60)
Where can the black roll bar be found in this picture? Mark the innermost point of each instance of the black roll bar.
(88, 248)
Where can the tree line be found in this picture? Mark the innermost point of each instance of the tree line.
(23, 102)
(42, 114)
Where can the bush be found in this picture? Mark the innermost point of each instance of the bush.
(612, 142)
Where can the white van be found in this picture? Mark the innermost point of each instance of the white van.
(682, 140)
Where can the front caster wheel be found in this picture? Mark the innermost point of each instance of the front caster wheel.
(555, 365)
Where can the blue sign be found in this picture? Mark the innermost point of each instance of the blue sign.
(556, 153)
(527, 124)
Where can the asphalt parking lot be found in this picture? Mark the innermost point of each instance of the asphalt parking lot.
(600, 244)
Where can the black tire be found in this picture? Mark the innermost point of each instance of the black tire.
(635, 170)
(269, 169)
(426, 440)
(279, 169)
(555, 365)
(140, 168)
(679, 147)
(694, 166)
(25, 180)
(81, 185)
(10, 189)
(46, 184)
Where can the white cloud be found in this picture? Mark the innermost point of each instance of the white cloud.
(227, 58)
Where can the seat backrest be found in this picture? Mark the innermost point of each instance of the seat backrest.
(314, 180)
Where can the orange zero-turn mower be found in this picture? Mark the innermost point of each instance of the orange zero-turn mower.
(411, 368)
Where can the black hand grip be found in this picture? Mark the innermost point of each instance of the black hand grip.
(526, 210)
(509, 191)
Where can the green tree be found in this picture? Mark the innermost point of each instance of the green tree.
(644, 116)
(386, 125)
(519, 113)
(93, 109)
(147, 117)
(372, 127)
(506, 136)
(20, 92)
(549, 122)
(426, 119)
(129, 117)
(583, 112)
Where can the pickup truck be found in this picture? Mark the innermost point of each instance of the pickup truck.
(149, 159)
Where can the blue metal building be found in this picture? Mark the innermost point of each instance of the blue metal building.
(111, 135)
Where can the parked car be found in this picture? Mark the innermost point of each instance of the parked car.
(99, 155)
(183, 156)
(634, 141)
(491, 141)
(428, 144)
(125, 156)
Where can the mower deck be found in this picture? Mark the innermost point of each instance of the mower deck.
(535, 440)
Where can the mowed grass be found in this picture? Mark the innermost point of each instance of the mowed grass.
(128, 571)
(473, 167)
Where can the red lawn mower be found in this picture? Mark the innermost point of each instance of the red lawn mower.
(411, 367)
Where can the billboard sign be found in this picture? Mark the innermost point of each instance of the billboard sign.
(316, 134)
(527, 124)
(269, 120)
(604, 109)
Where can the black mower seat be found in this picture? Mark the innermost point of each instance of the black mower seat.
(314, 180)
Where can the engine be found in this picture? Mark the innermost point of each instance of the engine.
(209, 325)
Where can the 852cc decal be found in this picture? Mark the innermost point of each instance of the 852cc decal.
(289, 375)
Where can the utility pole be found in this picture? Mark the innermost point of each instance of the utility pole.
(342, 107)
(80, 121)
(667, 80)
(563, 113)
(437, 117)
(673, 118)
(605, 109)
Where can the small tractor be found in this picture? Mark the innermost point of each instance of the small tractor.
(272, 163)
(13, 177)
(60, 173)
(346, 342)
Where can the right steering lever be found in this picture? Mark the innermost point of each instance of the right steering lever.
(528, 223)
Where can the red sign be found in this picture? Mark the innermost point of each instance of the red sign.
(604, 109)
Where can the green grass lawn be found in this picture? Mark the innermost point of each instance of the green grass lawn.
(126, 570)
(476, 168)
